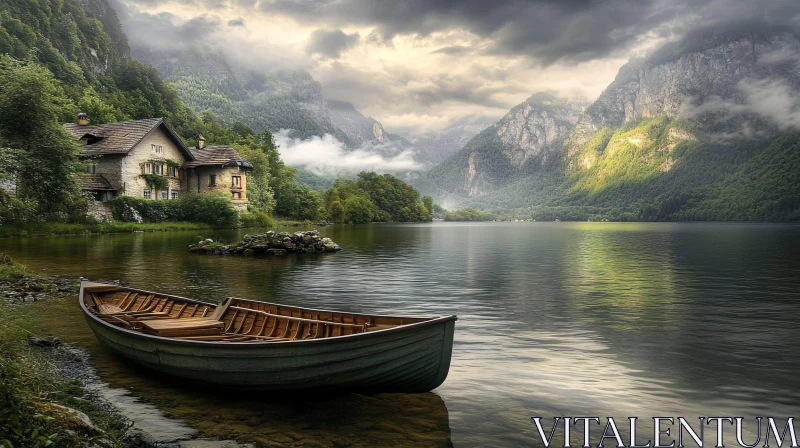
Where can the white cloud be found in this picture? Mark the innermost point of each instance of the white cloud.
(328, 156)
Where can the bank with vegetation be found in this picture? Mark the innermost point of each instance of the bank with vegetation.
(43, 401)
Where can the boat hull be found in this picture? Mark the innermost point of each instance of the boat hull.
(415, 358)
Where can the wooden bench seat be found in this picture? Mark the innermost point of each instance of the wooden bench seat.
(193, 326)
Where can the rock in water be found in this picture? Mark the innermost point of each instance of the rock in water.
(270, 243)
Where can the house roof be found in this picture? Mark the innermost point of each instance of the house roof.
(121, 137)
(224, 156)
(92, 182)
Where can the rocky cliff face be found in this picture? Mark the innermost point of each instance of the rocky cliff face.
(536, 128)
(526, 139)
(682, 79)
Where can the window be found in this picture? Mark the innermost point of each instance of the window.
(174, 195)
(157, 149)
(158, 168)
(164, 194)
(148, 168)
(173, 171)
(237, 195)
(212, 180)
(236, 181)
(91, 169)
(147, 193)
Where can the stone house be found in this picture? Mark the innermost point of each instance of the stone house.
(146, 159)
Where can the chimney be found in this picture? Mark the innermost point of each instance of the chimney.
(200, 141)
(83, 119)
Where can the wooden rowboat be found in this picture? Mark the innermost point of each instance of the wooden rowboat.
(246, 343)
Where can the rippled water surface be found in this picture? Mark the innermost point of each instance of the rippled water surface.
(596, 319)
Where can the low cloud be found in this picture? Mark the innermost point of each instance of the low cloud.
(773, 100)
(328, 156)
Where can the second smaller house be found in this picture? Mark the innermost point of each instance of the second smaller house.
(217, 168)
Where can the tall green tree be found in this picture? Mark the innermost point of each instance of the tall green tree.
(32, 106)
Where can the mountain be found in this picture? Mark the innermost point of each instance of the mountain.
(359, 128)
(707, 65)
(365, 132)
(525, 140)
(704, 128)
(435, 147)
(207, 80)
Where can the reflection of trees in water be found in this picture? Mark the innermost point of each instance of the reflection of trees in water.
(622, 278)
(695, 306)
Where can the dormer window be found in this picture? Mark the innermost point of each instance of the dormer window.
(90, 139)
(91, 169)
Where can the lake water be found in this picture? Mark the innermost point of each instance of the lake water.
(555, 319)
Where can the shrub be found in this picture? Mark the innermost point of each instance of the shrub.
(215, 209)
(255, 218)
(19, 212)
(128, 209)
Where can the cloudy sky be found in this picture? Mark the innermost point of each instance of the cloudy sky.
(420, 65)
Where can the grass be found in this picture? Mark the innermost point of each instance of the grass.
(102, 227)
(125, 227)
(33, 393)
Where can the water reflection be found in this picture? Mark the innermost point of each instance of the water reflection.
(554, 318)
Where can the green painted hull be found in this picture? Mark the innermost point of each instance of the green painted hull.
(409, 358)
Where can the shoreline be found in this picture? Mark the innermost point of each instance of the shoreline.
(53, 392)
(59, 229)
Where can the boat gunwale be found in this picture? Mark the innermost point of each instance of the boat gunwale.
(331, 339)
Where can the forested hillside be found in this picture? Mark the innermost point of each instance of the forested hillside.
(94, 69)
(207, 80)
(694, 132)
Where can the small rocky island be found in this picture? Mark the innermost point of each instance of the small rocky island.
(270, 243)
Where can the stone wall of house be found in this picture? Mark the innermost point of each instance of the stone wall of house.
(200, 180)
(109, 167)
(131, 166)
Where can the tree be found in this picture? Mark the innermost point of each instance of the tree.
(359, 210)
(99, 111)
(32, 105)
(298, 201)
(427, 201)
(259, 193)
(336, 212)
(393, 196)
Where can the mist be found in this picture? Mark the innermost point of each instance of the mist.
(328, 156)
(773, 100)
